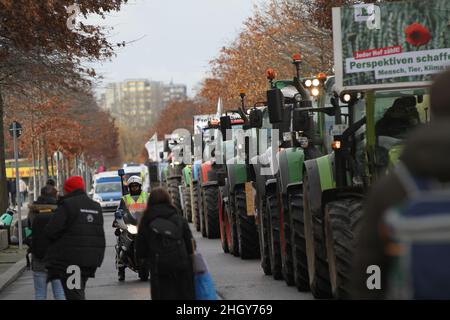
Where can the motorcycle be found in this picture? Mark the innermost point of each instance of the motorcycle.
(126, 233)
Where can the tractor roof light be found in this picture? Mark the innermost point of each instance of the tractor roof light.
(271, 74)
(315, 92)
(316, 82)
(336, 145)
(322, 76)
(308, 83)
(242, 93)
(297, 58)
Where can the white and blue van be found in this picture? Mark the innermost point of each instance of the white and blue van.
(107, 190)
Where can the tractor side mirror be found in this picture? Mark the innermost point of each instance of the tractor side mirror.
(121, 172)
(166, 146)
(225, 124)
(301, 120)
(275, 103)
(256, 118)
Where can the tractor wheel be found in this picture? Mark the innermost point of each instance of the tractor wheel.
(301, 278)
(287, 263)
(196, 207)
(187, 203)
(233, 243)
(342, 229)
(174, 192)
(273, 214)
(224, 226)
(202, 213)
(263, 234)
(246, 228)
(211, 207)
(319, 277)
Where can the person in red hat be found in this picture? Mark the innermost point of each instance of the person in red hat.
(77, 239)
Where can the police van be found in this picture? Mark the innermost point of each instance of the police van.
(107, 190)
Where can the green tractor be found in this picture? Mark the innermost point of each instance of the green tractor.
(301, 121)
(174, 173)
(238, 229)
(368, 135)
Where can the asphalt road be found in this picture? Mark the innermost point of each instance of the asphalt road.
(234, 278)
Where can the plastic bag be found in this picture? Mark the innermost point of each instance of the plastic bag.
(204, 287)
(204, 284)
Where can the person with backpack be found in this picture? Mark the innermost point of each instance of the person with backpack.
(77, 239)
(39, 215)
(405, 229)
(165, 241)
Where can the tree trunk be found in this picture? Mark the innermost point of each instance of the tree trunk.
(45, 158)
(3, 187)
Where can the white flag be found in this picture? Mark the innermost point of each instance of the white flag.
(219, 108)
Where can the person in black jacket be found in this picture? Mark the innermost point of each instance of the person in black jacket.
(174, 281)
(77, 239)
(38, 217)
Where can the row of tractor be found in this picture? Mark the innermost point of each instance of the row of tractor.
(284, 181)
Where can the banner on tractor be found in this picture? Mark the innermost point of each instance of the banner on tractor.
(391, 45)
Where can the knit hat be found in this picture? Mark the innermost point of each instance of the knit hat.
(73, 183)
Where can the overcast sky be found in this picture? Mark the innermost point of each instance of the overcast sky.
(179, 38)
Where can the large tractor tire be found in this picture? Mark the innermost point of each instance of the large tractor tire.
(187, 203)
(287, 263)
(301, 277)
(263, 234)
(233, 240)
(246, 228)
(319, 277)
(224, 226)
(211, 214)
(202, 213)
(174, 191)
(273, 214)
(342, 230)
(196, 205)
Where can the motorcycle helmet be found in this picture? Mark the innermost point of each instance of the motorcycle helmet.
(134, 179)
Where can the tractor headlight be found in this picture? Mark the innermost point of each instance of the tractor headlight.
(308, 83)
(315, 92)
(316, 82)
(347, 97)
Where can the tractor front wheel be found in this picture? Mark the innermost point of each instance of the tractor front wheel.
(342, 230)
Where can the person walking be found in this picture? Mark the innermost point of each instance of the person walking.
(39, 215)
(22, 191)
(77, 239)
(165, 241)
(424, 158)
(13, 192)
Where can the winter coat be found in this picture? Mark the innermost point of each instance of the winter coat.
(77, 236)
(39, 215)
(426, 154)
(178, 286)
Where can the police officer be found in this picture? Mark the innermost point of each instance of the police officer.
(130, 209)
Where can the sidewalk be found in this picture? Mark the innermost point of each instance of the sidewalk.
(12, 260)
(12, 264)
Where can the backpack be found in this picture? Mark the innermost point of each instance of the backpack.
(167, 248)
(419, 240)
